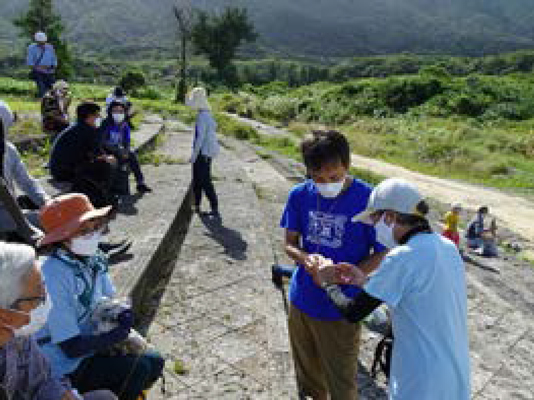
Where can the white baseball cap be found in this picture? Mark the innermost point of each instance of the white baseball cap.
(393, 194)
(40, 37)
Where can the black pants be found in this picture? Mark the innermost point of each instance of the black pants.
(95, 180)
(202, 182)
(44, 82)
(126, 376)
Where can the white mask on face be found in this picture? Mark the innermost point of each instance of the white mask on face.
(86, 245)
(98, 122)
(38, 317)
(384, 233)
(330, 190)
(118, 118)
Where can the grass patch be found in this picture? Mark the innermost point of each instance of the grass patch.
(179, 368)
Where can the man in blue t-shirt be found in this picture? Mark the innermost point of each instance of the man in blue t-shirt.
(317, 219)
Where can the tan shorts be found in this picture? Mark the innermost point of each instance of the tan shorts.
(325, 354)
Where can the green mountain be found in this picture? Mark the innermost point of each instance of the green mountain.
(303, 27)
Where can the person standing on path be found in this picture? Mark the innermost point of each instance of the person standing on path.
(42, 62)
(317, 220)
(205, 149)
(422, 280)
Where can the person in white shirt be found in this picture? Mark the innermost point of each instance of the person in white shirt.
(205, 149)
(16, 176)
(422, 280)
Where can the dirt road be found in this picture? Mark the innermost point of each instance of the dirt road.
(516, 213)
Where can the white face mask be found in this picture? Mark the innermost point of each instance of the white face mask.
(86, 245)
(38, 317)
(330, 190)
(118, 118)
(384, 233)
(98, 122)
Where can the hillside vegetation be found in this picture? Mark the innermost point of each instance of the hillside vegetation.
(478, 128)
(319, 28)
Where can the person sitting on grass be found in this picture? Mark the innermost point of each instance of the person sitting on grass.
(77, 279)
(24, 306)
(116, 141)
(55, 109)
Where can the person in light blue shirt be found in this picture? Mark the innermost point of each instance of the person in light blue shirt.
(205, 149)
(422, 280)
(76, 278)
(42, 61)
(317, 220)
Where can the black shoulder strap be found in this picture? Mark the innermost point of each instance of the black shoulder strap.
(40, 57)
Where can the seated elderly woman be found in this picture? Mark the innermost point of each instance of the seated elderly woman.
(77, 280)
(24, 305)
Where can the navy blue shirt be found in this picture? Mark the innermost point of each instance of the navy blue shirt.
(326, 228)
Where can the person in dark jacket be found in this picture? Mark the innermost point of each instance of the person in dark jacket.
(78, 157)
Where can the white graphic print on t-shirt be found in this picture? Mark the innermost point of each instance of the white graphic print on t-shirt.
(326, 229)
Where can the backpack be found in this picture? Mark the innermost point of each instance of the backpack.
(383, 352)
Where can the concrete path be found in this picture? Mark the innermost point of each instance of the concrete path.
(220, 322)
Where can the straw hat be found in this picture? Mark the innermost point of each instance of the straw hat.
(62, 216)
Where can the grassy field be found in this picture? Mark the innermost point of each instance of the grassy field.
(478, 129)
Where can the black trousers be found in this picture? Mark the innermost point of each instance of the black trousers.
(202, 182)
(95, 180)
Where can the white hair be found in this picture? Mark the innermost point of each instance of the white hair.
(198, 99)
(16, 261)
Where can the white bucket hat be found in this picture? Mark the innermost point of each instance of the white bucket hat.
(393, 194)
(40, 37)
(198, 99)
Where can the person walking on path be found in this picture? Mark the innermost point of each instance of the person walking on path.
(42, 61)
(451, 221)
(317, 221)
(205, 149)
(422, 280)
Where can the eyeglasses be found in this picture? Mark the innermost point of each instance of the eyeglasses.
(40, 299)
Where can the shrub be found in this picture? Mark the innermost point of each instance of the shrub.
(132, 80)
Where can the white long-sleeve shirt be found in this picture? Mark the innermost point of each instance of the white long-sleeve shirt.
(205, 141)
(16, 176)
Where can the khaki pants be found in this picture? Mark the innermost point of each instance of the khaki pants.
(325, 354)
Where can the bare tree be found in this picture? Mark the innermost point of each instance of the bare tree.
(183, 13)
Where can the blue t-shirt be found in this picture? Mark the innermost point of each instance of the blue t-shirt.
(68, 317)
(423, 282)
(326, 228)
